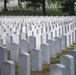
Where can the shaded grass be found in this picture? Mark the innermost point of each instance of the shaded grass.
(45, 70)
(9, 54)
(74, 43)
(56, 13)
(4, 45)
(16, 68)
(31, 13)
(17, 13)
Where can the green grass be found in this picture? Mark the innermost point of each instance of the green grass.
(30, 13)
(56, 13)
(4, 45)
(17, 13)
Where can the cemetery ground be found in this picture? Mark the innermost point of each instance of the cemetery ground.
(45, 70)
(31, 13)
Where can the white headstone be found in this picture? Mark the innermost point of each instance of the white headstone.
(43, 38)
(1, 42)
(52, 44)
(58, 69)
(59, 45)
(14, 51)
(75, 35)
(68, 61)
(24, 64)
(8, 68)
(23, 35)
(3, 54)
(36, 60)
(24, 45)
(45, 53)
(64, 42)
(73, 53)
(74, 47)
(32, 42)
(8, 42)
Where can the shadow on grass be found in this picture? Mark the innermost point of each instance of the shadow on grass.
(31, 13)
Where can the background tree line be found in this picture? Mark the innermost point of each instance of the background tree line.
(67, 5)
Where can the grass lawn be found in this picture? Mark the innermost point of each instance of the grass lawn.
(30, 13)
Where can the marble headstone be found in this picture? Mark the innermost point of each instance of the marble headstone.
(64, 42)
(32, 42)
(73, 53)
(24, 45)
(68, 61)
(8, 42)
(59, 45)
(14, 52)
(24, 64)
(36, 60)
(58, 69)
(8, 68)
(52, 48)
(3, 54)
(74, 47)
(45, 53)
(1, 42)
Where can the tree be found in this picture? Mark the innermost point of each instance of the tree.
(35, 4)
(20, 6)
(49, 3)
(44, 9)
(68, 6)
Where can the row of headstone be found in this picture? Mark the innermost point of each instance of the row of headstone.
(8, 67)
(66, 66)
(42, 32)
(38, 57)
(32, 41)
(40, 37)
(60, 43)
(50, 46)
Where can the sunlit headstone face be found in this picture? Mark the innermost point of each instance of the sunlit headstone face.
(36, 59)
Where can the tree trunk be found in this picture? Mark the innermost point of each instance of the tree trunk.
(44, 9)
(71, 9)
(5, 5)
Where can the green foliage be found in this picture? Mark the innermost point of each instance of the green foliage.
(33, 3)
(68, 6)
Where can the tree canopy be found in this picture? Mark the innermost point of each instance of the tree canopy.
(35, 4)
(68, 6)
